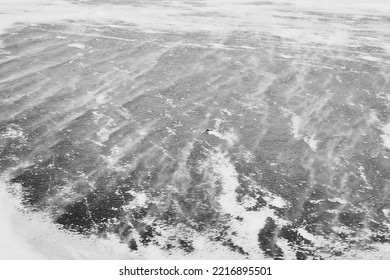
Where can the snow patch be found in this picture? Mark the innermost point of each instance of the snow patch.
(140, 200)
(229, 136)
(26, 235)
(14, 132)
(248, 223)
(77, 46)
(386, 135)
(297, 129)
(104, 134)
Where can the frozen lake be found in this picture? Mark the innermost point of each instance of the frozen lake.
(195, 129)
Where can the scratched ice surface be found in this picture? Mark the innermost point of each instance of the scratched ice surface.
(195, 129)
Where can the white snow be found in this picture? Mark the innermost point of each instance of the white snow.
(32, 236)
(386, 135)
(229, 136)
(14, 132)
(13, 245)
(236, 14)
(77, 46)
(297, 128)
(252, 221)
(140, 200)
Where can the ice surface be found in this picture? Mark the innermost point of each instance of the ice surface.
(194, 129)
